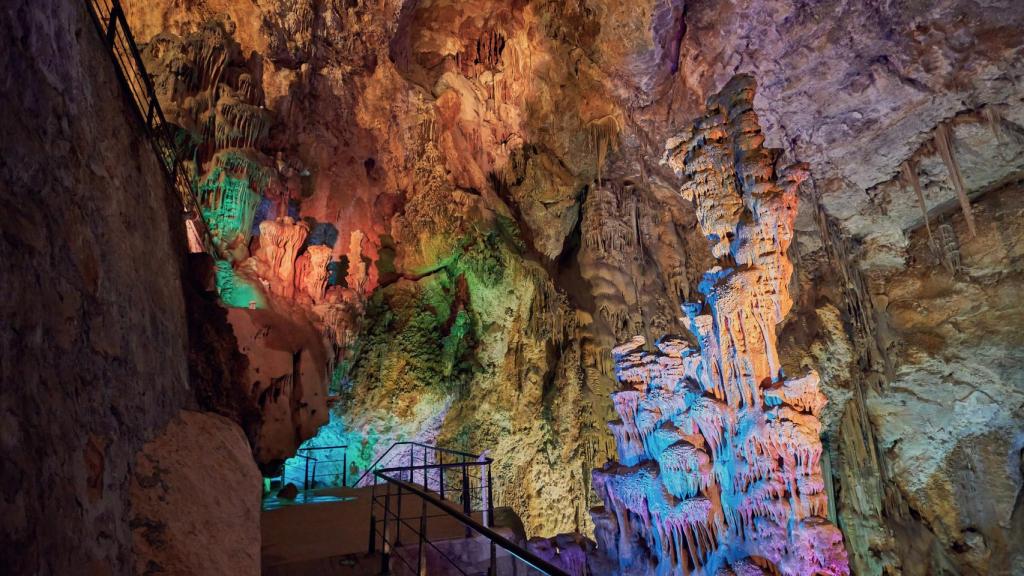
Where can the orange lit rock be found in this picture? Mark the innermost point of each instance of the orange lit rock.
(287, 379)
(312, 272)
(193, 485)
(280, 241)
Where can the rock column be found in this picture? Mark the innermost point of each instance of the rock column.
(720, 451)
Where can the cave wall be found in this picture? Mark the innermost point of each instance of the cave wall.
(926, 449)
(957, 336)
(122, 429)
(94, 339)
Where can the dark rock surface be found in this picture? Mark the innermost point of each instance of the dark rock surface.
(93, 334)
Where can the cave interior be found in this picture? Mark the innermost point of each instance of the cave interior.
(665, 287)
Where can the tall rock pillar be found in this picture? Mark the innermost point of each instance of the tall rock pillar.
(719, 452)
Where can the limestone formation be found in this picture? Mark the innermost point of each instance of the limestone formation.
(436, 220)
(285, 376)
(312, 272)
(280, 242)
(720, 452)
(480, 185)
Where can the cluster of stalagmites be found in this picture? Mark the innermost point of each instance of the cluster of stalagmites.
(719, 452)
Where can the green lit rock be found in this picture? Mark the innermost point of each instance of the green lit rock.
(229, 195)
(237, 291)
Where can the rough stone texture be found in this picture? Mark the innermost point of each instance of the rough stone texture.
(218, 371)
(195, 500)
(93, 345)
(210, 89)
(958, 341)
(856, 88)
(439, 150)
(284, 378)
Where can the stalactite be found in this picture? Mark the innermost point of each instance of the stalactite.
(481, 54)
(229, 195)
(604, 137)
(995, 123)
(240, 125)
(909, 172)
(550, 314)
(842, 254)
(944, 145)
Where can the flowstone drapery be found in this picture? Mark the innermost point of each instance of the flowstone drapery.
(719, 452)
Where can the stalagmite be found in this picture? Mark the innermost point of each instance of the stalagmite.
(720, 452)
(280, 242)
(357, 274)
(311, 274)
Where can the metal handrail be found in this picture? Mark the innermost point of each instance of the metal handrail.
(306, 454)
(376, 462)
(108, 15)
(469, 522)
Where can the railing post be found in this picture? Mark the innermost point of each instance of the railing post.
(490, 499)
(398, 518)
(440, 474)
(344, 467)
(385, 549)
(373, 520)
(425, 464)
(373, 536)
(421, 565)
(305, 475)
(492, 570)
(467, 507)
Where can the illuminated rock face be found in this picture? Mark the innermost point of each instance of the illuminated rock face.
(280, 241)
(719, 452)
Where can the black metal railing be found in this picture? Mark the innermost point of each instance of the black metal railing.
(319, 467)
(418, 527)
(406, 454)
(117, 37)
(322, 466)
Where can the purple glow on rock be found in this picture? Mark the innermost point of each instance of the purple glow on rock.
(719, 453)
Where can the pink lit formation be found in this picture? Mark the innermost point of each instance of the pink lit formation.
(719, 453)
